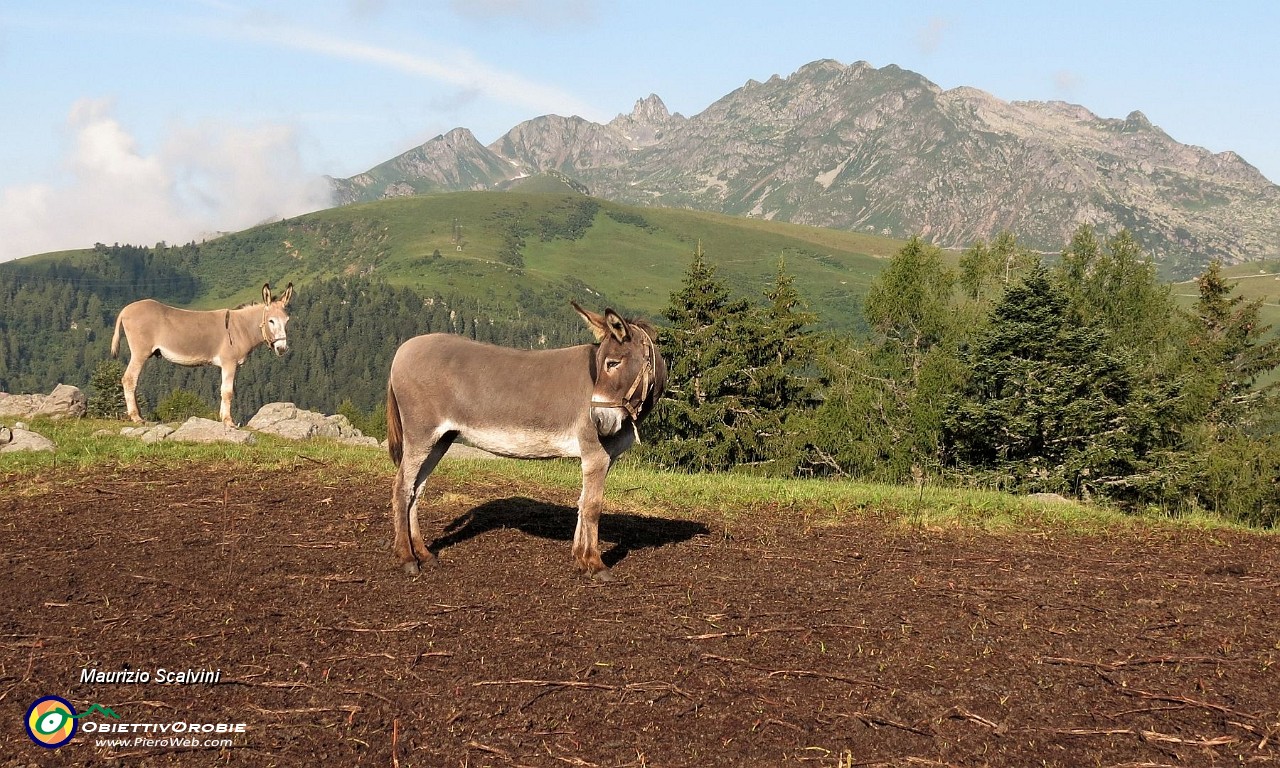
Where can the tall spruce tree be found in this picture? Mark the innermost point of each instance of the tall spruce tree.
(1047, 407)
(784, 349)
(735, 372)
(1228, 350)
(693, 425)
(783, 379)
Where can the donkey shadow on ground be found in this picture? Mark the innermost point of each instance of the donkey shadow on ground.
(557, 522)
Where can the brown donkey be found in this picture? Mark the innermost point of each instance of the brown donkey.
(582, 401)
(221, 337)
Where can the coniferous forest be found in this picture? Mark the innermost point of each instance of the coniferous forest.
(1083, 378)
(56, 324)
(1078, 375)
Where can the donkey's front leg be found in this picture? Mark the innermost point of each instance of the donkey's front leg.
(228, 387)
(586, 537)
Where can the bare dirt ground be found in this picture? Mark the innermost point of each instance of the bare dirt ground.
(764, 641)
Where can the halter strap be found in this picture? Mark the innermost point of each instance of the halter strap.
(262, 326)
(643, 382)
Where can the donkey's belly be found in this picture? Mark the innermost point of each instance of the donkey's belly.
(521, 443)
(185, 358)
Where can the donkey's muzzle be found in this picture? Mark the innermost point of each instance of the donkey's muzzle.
(608, 419)
(279, 346)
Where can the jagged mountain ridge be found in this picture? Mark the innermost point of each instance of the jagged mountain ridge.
(880, 150)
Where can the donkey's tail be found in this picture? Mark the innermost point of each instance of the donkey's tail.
(395, 439)
(115, 340)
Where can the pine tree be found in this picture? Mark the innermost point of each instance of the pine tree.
(984, 270)
(912, 360)
(1116, 287)
(106, 393)
(737, 375)
(782, 378)
(1046, 407)
(909, 304)
(785, 348)
(1227, 353)
(692, 426)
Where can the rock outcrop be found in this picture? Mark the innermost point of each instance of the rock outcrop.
(280, 419)
(198, 430)
(64, 402)
(289, 421)
(18, 438)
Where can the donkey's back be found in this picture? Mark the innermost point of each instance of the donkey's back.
(520, 403)
(187, 337)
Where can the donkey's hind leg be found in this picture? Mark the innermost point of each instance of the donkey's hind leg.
(129, 382)
(402, 503)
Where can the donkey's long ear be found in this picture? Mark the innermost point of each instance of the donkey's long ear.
(266, 293)
(617, 326)
(597, 322)
(288, 295)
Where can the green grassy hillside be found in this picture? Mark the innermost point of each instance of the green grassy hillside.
(1253, 280)
(632, 257)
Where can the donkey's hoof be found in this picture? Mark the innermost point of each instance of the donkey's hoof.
(603, 577)
(411, 568)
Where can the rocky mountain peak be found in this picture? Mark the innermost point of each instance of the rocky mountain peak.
(819, 68)
(1136, 121)
(885, 151)
(648, 122)
(458, 137)
(650, 111)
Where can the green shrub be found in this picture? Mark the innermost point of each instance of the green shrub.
(181, 405)
(106, 393)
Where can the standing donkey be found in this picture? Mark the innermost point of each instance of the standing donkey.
(221, 337)
(582, 401)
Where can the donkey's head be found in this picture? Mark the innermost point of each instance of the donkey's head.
(630, 375)
(274, 318)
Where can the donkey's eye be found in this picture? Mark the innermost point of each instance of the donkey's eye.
(611, 364)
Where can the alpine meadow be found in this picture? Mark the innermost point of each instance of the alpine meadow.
(794, 351)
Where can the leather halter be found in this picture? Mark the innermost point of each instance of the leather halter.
(262, 326)
(644, 383)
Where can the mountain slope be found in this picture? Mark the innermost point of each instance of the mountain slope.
(885, 151)
(514, 251)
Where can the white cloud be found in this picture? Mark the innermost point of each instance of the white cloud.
(457, 68)
(1065, 82)
(929, 39)
(205, 178)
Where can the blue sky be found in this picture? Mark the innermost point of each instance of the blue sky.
(169, 119)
